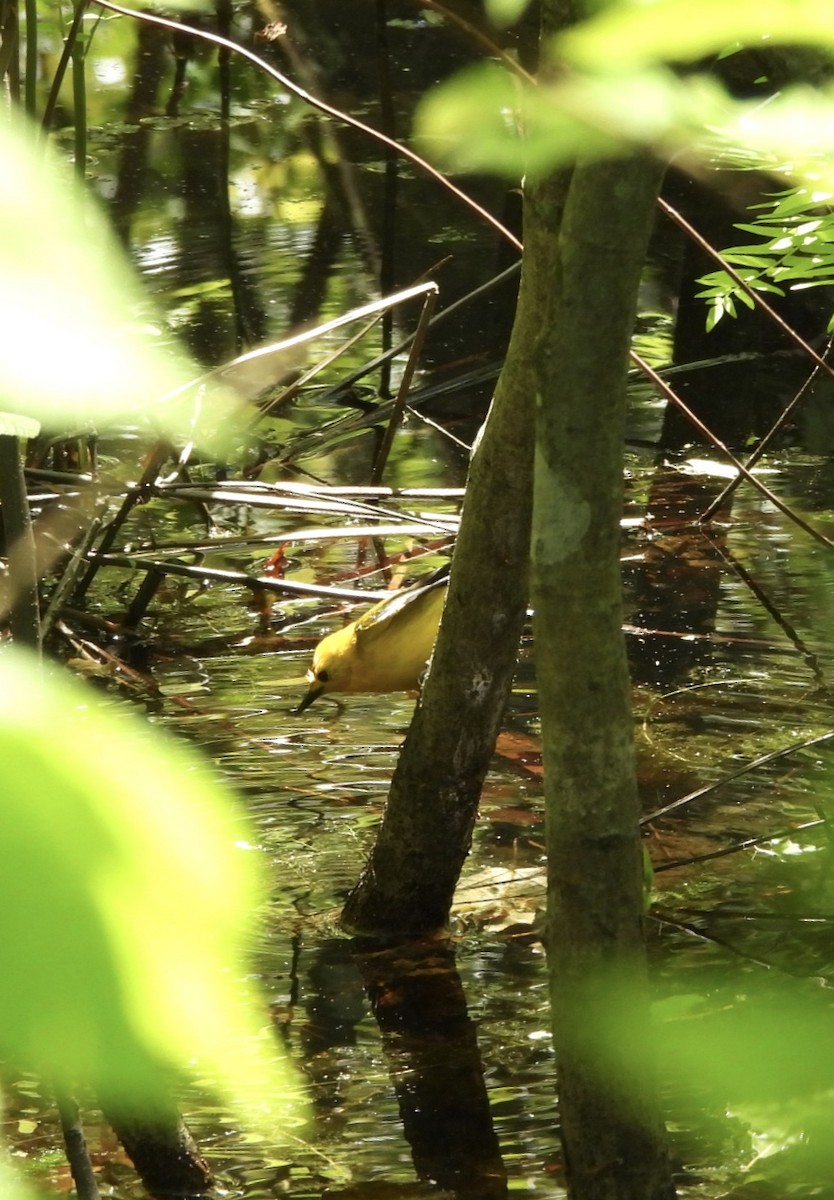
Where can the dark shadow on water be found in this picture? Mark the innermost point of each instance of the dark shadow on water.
(431, 1052)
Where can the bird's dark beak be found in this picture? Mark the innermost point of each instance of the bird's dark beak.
(313, 694)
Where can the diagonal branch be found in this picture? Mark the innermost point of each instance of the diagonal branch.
(744, 472)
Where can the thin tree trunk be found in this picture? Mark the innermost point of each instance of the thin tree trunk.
(408, 884)
(75, 1144)
(22, 588)
(165, 1155)
(611, 1127)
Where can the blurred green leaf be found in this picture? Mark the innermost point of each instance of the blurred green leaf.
(11, 1188)
(126, 893)
(13, 425)
(486, 119)
(766, 1044)
(75, 346)
(755, 1045)
(505, 12)
(473, 119)
(633, 34)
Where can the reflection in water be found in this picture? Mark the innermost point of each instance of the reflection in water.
(433, 1058)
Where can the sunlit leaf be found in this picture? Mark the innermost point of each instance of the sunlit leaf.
(505, 12)
(633, 34)
(795, 249)
(796, 201)
(13, 425)
(484, 119)
(75, 344)
(473, 119)
(125, 899)
(12, 1188)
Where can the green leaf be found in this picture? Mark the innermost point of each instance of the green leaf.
(798, 201)
(758, 258)
(485, 119)
(472, 121)
(126, 894)
(505, 12)
(635, 34)
(13, 425)
(714, 314)
(78, 340)
(12, 1188)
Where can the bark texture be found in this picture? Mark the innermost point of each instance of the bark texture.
(165, 1155)
(408, 884)
(611, 1127)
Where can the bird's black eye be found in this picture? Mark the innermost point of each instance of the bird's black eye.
(323, 676)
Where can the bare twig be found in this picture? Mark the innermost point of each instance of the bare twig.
(61, 69)
(765, 760)
(746, 844)
(405, 383)
(722, 497)
(288, 587)
(811, 659)
(816, 534)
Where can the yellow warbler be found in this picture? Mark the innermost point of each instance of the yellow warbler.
(387, 649)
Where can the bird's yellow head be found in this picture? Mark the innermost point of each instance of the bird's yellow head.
(332, 666)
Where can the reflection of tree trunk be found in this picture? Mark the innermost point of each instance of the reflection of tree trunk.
(314, 280)
(433, 1057)
(611, 1126)
(223, 8)
(388, 125)
(326, 141)
(707, 390)
(673, 591)
(207, 251)
(10, 47)
(205, 164)
(151, 64)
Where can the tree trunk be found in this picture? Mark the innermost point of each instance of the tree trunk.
(162, 1150)
(21, 593)
(611, 1129)
(408, 884)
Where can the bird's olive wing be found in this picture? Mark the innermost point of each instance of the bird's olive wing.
(377, 619)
